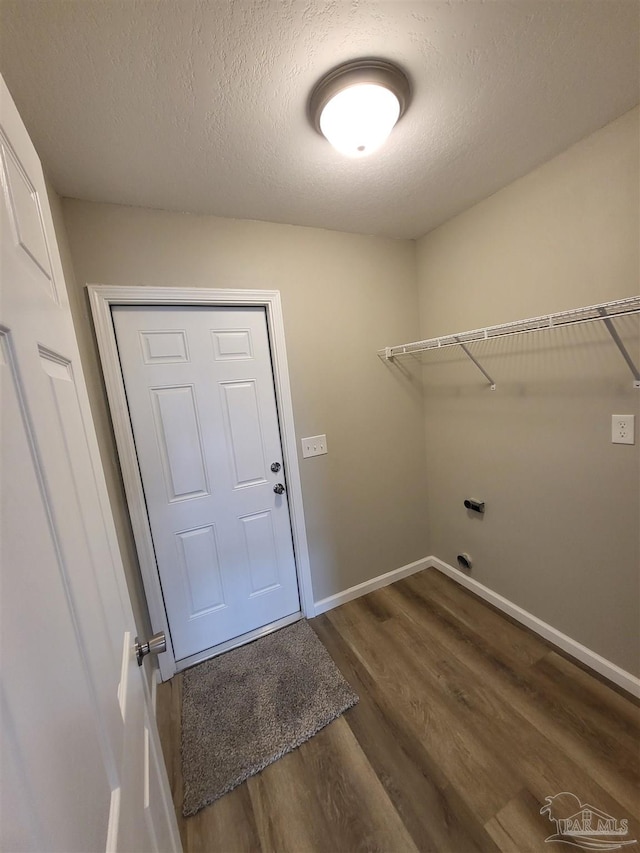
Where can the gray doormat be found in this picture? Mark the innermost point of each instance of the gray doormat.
(248, 707)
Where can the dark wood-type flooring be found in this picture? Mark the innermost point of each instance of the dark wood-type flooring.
(466, 723)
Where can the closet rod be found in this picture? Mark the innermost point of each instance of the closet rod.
(605, 311)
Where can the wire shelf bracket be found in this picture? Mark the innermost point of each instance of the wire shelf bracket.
(605, 312)
(465, 350)
(618, 342)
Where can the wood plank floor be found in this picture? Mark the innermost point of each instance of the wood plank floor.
(466, 723)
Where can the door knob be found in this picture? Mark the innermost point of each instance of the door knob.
(275, 467)
(278, 488)
(154, 645)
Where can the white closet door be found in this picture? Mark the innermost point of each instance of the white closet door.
(202, 404)
(79, 747)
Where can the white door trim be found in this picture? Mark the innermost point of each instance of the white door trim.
(102, 298)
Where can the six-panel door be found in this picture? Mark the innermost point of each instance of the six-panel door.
(202, 404)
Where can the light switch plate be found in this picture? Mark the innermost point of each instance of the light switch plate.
(314, 446)
(623, 429)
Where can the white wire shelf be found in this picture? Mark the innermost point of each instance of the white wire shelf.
(605, 311)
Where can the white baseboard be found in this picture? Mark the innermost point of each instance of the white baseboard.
(593, 660)
(601, 665)
(370, 585)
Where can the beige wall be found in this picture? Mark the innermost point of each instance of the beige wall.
(121, 517)
(560, 536)
(561, 533)
(344, 296)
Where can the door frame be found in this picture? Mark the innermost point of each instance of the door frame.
(102, 299)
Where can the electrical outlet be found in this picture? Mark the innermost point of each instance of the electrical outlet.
(314, 446)
(623, 429)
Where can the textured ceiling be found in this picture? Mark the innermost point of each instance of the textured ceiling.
(200, 106)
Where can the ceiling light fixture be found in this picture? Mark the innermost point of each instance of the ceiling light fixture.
(357, 105)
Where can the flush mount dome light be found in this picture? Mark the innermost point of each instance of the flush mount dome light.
(356, 105)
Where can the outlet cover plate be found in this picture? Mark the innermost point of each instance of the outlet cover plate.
(316, 445)
(623, 429)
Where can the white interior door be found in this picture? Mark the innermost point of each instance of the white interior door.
(202, 403)
(80, 765)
